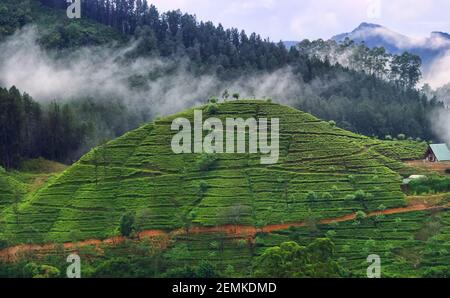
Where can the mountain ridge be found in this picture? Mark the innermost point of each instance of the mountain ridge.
(428, 48)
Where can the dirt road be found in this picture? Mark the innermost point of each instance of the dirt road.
(11, 253)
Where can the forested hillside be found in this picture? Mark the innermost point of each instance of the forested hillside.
(29, 131)
(363, 97)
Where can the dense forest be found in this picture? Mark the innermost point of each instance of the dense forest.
(370, 92)
(403, 70)
(175, 33)
(56, 131)
(28, 131)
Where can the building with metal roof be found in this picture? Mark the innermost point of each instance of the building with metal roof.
(437, 153)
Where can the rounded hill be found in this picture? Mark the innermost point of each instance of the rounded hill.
(322, 171)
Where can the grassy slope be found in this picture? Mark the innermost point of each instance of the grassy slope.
(18, 186)
(12, 189)
(140, 171)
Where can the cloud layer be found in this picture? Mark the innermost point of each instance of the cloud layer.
(441, 124)
(103, 73)
(298, 19)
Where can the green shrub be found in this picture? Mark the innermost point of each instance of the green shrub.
(360, 195)
(437, 272)
(205, 270)
(212, 109)
(381, 207)
(290, 260)
(41, 271)
(330, 234)
(401, 137)
(360, 215)
(327, 196)
(352, 179)
(206, 162)
(311, 196)
(230, 272)
(3, 244)
(349, 197)
(433, 184)
(214, 245)
(202, 188)
(127, 224)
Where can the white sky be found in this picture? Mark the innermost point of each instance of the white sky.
(299, 19)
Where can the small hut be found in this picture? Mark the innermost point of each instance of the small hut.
(437, 153)
(406, 181)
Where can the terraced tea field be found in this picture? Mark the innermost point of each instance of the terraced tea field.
(320, 169)
(229, 207)
(12, 190)
(17, 185)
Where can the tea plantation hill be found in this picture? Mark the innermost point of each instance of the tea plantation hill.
(321, 168)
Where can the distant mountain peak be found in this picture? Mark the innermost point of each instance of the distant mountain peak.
(363, 29)
(365, 25)
(440, 34)
(430, 49)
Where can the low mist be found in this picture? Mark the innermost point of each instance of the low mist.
(441, 124)
(438, 73)
(103, 73)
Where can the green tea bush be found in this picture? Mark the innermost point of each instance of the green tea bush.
(212, 109)
(3, 244)
(434, 184)
(361, 215)
(311, 196)
(127, 224)
(206, 162)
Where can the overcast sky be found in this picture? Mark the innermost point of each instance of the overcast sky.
(299, 19)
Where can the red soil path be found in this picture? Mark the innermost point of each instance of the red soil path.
(439, 167)
(11, 253)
